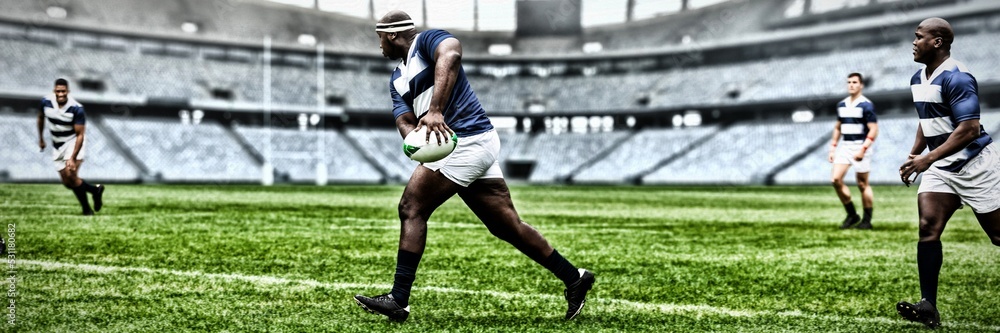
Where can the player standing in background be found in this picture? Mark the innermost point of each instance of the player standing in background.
(856, 121)
(67, 124)
(963, 164)
(429, 88)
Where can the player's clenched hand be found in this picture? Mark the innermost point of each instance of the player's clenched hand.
(914, 165)
(41, 145)
(832, 155)
(435, 124)
(71, 165)
(860, 156)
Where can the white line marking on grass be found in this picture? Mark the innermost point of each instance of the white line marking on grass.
(34, 205)
(392, 224)
(260, 279)
(606, 304)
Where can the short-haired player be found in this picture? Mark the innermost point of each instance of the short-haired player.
(67, 124)
(858, 125)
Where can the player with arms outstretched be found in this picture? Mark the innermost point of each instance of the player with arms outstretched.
(962, 165)
(429, 88)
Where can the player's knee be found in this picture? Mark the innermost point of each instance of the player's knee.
(929, 228)
(407, 209)
(837, 182)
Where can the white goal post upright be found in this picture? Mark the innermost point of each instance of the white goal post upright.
(321, 172)
(267, 170)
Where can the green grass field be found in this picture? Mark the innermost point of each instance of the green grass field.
(289, 259)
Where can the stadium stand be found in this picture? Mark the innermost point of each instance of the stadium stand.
(386, 146)
(295, 154)
(801, 77)
(740, 154)
(176, 152)
(22, 160)
(641, 153)
(556, 156)
(511, 144)
(367, 91)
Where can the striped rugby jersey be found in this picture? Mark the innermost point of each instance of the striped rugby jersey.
(61, 120)
(854, 118)
(412, 85)
(948, 97)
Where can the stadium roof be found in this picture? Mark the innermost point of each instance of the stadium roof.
(460, 14)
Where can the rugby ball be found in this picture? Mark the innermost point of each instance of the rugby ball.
(418, 148)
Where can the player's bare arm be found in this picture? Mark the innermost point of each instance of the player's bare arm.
(448, 58)
(834, 140)
(41, 130)
(406, 123)
(966, 132)
(71, 162)
(919, 144)
(872, 134)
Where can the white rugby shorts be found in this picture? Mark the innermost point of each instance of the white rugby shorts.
(978, 183)
(59, 156)
(475, 157)
(845, 155)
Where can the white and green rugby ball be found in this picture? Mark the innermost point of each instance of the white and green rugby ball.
(417, 147)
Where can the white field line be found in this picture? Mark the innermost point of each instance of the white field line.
(395, 226)
(34, 205)
(451, 225)
(392, 224)
(603, 304)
